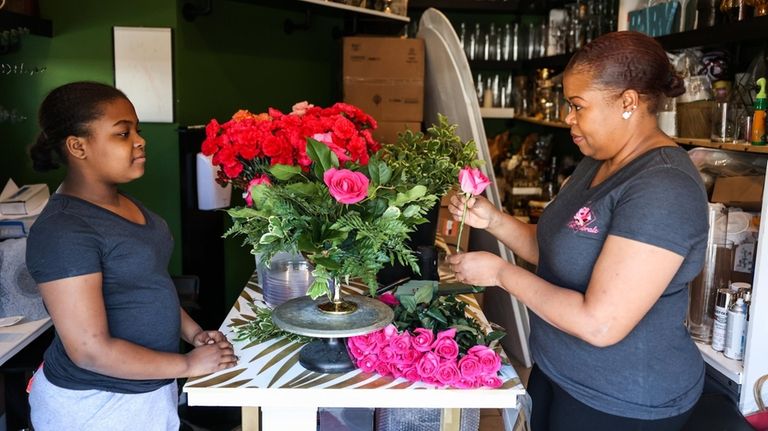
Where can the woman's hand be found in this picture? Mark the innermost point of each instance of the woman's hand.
(478, 268)
(207, 337)
(209, 358)
(481, 213)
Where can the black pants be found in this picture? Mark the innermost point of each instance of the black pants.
(555, 410)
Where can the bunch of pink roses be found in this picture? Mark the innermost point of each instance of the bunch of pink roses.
(422, 356)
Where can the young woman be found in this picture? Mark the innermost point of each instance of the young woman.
(100, 259)
(614, 253)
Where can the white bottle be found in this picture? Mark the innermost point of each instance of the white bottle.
(736, 330)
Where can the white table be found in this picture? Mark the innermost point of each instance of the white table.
(15, 337)
(269, 376)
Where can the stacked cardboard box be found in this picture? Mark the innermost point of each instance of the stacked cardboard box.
(384, 76)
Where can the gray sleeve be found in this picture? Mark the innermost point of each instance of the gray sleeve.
(62, 246)
(664, 207)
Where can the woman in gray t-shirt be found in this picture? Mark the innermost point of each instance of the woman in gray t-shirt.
(614, 251)
(100, 259)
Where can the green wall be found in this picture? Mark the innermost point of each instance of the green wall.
(236, 57)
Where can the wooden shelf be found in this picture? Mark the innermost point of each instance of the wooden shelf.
(357, 10)
(507, 113)
(554, 61)
(533, 120)
(535, 7)
(36, 26)
(722, 145)
(751, 29)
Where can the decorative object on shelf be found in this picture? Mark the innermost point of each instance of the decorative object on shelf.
(431, 340)
(317, 183)
(656, 20)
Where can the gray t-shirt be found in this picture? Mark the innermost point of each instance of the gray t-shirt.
(658, 198)
(73, 237)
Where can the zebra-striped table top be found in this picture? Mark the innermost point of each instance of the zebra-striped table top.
(269, 375)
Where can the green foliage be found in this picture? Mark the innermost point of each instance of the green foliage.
(424, 308)
(432, 160)
(262, 328)
(296, 212)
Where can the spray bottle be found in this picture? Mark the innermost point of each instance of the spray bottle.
(758, 119)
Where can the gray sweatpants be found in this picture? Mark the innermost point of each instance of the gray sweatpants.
(57, 409)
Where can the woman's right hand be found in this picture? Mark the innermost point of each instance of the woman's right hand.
(481, 213)
(210, 358)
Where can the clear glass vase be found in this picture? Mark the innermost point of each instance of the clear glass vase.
(287, 276)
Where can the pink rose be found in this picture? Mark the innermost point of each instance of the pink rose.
(490, 361)
(389, 299)
(422, 340)
(427, 365)
(383, 368)
(469, 366)
(491, 381)
(387, 354)
(326, 138)
(346, 186)
(301, 108)
(448, 333)
(368, 363)
(465, 383)
(447, 373)
(363, 343)
(410, 356)
(472, 181)
(401, 343)
(412, 374)
(446, 348)
(257, 180)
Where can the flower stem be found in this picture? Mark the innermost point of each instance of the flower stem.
(461, 226)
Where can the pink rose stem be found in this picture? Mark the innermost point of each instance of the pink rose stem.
(461, 225)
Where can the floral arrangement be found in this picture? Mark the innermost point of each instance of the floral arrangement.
(316, 182)
(431, 340)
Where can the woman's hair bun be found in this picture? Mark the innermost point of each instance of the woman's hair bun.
(44, 154)
(675, 85)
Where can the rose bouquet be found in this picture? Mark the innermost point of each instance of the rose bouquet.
(432, 340)
(316, 182)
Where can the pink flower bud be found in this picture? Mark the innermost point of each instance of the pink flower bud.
(473, 181)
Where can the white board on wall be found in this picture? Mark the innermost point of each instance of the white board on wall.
(144, 71)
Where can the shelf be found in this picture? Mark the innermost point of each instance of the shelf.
(730, 368)
(497, 113)
(36, 26)
(357, 9)
(722, 145)
(752, 29)
(533, 120)
(553, 61)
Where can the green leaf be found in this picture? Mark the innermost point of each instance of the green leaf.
(317, 289)
(411, 211)
(409, 302)
(319, 153)
(327, 262)
(242, 212)
(379, 172)
(391, 213)
(424, 294)
(435, 313)
(494, 335)
(284, 172)
(302, 189)
(411, 195)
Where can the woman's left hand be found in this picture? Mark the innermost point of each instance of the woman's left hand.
(208, 337)
(479, 268)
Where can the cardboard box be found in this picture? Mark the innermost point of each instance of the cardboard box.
(387, 131)
(391, 58)
(743, 192)
(384, 76)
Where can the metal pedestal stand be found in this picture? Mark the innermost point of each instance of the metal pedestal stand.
(332, 321)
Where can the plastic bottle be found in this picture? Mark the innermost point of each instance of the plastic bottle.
(758, 119)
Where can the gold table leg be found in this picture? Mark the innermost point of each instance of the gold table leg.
(250, 418)
(450, 420)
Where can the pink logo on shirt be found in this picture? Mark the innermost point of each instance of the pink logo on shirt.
(582, 219)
